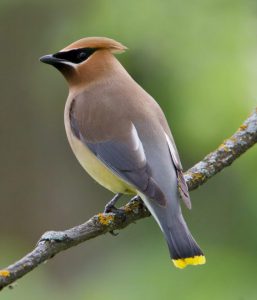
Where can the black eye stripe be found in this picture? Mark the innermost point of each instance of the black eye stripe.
(76, 56)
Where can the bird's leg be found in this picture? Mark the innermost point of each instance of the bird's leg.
(110, 206)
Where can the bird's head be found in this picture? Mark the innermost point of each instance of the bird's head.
(84, 59)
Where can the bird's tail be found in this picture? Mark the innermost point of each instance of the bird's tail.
(182, 246)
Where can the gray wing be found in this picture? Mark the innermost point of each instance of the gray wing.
(124, 155)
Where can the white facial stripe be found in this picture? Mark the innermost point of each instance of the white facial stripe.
(65, 62)
(67, 50)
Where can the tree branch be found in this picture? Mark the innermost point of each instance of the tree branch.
(51, 243)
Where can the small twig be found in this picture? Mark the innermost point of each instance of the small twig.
(48, 246)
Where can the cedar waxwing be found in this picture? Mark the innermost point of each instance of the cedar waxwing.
(120, 136)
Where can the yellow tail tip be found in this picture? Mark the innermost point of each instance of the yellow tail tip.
(181, 263)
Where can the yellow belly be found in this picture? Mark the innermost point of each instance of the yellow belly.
(95, 167)
(98, 170)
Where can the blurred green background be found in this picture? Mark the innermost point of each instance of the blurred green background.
(199, 60)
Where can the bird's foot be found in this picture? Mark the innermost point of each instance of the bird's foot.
(110, 206)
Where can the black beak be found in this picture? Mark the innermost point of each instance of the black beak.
(57, 62)
(49, 59)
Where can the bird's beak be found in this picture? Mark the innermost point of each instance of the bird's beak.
(49, 59)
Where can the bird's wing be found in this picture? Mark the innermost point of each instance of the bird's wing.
(182, 186)
(121, 152)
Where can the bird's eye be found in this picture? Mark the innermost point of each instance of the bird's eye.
(82, 56)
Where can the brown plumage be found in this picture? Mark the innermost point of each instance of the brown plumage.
(121, 137)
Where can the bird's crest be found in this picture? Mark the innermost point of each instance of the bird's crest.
(97, 43)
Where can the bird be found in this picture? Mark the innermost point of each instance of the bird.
(120, 136)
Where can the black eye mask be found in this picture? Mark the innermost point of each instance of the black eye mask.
(75, 56)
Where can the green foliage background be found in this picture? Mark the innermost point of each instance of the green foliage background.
(198, 59)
